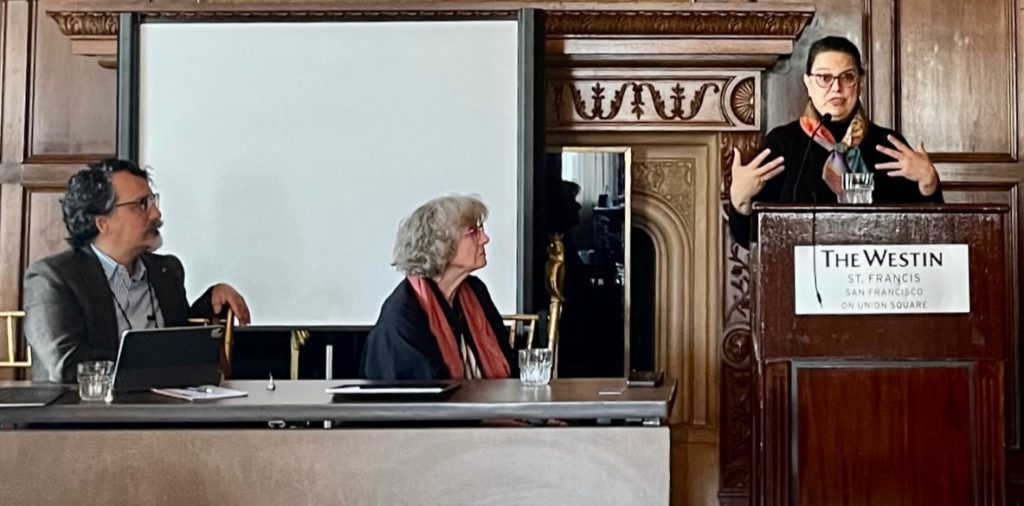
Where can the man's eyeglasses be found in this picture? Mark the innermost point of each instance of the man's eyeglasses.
(144, 203)
(846, 79)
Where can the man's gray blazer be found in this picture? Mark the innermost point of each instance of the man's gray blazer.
(70, 314)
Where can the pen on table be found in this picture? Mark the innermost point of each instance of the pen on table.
(205, 390)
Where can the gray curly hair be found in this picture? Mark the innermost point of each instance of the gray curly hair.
(425, 242)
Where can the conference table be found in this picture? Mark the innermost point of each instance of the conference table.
(575, 441)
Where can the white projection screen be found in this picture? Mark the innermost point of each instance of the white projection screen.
(287, 153)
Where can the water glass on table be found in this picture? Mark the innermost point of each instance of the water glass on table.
(96, 380)
(535, 366)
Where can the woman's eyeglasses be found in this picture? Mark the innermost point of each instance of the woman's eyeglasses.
(846, 79)
(474, 231)
(144, 203)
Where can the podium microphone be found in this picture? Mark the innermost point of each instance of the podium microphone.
(825, 118)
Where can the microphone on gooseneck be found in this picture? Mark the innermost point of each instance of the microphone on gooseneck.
(825, 118)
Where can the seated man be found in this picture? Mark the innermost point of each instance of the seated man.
(79, 302)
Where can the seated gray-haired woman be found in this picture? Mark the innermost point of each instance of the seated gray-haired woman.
(440, 322)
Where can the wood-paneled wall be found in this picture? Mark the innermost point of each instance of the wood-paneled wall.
(57, 113)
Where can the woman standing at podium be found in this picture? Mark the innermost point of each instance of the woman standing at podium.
(802, 161)
(440, 322)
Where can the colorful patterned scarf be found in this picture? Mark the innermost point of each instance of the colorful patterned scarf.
(845, 155)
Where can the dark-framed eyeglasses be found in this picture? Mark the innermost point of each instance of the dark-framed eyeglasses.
(144, 203)
(846, 79)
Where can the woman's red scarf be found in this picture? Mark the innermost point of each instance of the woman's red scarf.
(492, 360)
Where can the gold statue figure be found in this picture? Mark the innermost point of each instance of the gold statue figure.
(555, 273)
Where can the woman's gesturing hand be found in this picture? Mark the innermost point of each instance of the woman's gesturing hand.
(749, 178)
(913, 164)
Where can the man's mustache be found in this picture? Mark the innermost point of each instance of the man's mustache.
(154, 227)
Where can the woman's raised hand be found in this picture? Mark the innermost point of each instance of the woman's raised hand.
(749, 178)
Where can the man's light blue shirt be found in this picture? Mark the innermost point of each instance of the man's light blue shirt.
(134, 302)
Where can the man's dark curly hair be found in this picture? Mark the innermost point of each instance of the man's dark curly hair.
(90, 194)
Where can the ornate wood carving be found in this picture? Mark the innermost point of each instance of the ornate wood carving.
(737, 383)
(75, 24)
(744, 101)
(672, 180)
(95, 24)
(774, 24)
(736, 437)
(585, 99)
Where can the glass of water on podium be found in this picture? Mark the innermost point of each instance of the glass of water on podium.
(857, 188)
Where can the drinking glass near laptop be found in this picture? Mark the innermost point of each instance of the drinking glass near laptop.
(96, 380)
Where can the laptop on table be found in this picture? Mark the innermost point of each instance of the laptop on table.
(168, 357)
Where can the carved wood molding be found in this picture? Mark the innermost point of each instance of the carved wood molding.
(558, 23)
(75, 24)
(734, 27)
(731, 23)
(91, 24)
(671, 180)
(737, 380)
(655, 214)
(588, 99)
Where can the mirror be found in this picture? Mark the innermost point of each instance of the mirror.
(590, 209)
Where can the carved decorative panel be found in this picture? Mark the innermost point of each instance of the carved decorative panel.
(780, 24)
(737, 385)
(674, 100)
(737, 381)
(86, 23)
(672, 180)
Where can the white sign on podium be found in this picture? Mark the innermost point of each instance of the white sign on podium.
(882, 279)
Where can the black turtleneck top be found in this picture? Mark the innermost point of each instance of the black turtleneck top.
(791, 185)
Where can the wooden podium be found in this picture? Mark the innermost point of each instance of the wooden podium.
(882, 408)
